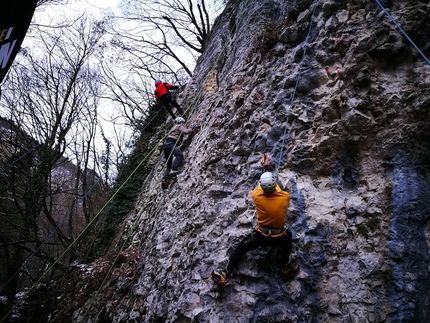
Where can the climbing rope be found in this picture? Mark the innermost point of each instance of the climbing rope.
(134, 226)
(295, 90)
(122, 247)
(402, 31)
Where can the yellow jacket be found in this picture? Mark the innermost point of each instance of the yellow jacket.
(271, 207)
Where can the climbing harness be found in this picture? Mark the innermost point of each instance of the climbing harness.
(270, 232)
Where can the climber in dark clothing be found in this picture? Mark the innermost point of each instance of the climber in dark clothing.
(271, 204)
(171, 148)
(163, 95)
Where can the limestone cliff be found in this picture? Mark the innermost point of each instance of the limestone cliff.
(338, 98)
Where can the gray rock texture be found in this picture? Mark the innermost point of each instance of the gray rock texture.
(339, 100)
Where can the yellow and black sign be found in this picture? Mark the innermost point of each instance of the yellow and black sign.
(15, 17)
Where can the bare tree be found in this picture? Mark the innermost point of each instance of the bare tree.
(162, 36)
(50, 99)
(152, 40)
(127, 95)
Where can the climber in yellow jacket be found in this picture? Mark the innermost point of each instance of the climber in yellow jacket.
(271, 203)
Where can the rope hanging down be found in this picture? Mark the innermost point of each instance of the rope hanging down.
(301, 64)
(403, 32)
(295, 90)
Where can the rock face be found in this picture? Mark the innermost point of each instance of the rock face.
(339, 100)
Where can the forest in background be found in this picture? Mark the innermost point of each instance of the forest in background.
(63, 159)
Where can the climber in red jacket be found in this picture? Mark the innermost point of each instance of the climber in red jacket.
(271, 203)
(163, 95)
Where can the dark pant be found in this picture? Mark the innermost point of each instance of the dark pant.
(171, 151)
(255, 240)
(167, 100)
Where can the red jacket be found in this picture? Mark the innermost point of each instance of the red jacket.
(162, 89)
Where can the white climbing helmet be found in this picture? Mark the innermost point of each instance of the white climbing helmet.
(268, 182)
(179, 120)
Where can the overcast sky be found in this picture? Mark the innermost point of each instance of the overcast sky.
(99, 4)
(49, 14)
(74, 8)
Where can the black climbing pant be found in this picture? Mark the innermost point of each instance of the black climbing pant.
(255, 240)
(171, 151)
(167, 100)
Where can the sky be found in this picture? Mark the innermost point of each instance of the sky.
(49, 14)
(99, 4)
(76, 7)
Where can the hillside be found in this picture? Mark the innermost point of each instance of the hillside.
(338, 98)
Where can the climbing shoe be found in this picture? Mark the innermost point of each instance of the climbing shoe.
(290, 271)
(292, 268)
(219, 277)
(173, 172)
(165, 183)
